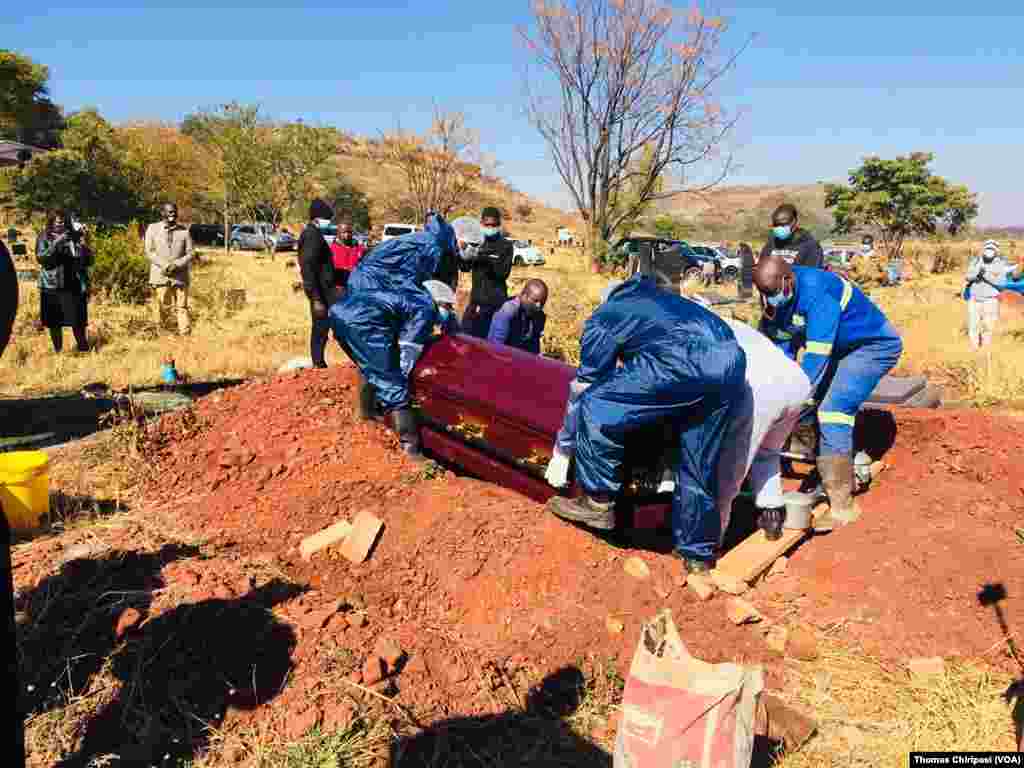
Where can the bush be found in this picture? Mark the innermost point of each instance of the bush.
(120, 271)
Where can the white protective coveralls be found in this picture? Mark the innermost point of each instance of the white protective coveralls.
(777, 389)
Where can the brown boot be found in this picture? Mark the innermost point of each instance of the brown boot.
(592, 513)
(837, 477)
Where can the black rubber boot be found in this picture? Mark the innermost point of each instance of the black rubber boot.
(592, 513)
(771, 520)
(405, 424)
(366, 401)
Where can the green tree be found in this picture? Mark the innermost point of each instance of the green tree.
(237, 135)
(295, 152)
(87, 176)
(897, 199)
(348, 200)
(26, 112)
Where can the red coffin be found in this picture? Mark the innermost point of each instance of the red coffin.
(494, 411)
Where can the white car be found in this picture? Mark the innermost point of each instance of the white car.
(526, 255)
(391, 231)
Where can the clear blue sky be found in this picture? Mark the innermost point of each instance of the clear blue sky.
(819, 88)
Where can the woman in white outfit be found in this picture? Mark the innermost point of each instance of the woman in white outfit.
(777, 391)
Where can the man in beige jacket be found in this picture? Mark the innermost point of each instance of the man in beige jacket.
(169, 250)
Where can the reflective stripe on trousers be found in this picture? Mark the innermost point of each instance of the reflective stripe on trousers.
(854, 379)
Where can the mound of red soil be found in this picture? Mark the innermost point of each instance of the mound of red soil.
(477, 584)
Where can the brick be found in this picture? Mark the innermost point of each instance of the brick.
(701, 585)
(390, 651)
(637, 568)
(740, 611)
(325, 538)
(357, 545)
(779, 722)
(802, 645)
(927, 667)
(776, 638)
(374, 670)
(728, 583)
(614, 626)
(755, 554)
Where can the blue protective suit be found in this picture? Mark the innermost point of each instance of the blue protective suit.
(848, 345)
(681, 366)
(387, 315)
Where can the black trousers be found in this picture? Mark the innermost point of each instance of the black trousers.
(476, 321)
(318, 334)
(14, 747)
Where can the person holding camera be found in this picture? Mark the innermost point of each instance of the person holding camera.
(64, 279)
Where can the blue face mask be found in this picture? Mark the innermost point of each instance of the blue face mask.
(782, 233)
(445, 314)
(490, 232)
(777, 300)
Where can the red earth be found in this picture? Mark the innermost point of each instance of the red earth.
(477, 584)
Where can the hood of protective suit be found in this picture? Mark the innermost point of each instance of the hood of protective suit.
(405, 263)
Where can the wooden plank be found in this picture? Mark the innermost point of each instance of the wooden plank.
(755, 554)
(360, 541)
(313, 544)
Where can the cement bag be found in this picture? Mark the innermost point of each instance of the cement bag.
(681, 711)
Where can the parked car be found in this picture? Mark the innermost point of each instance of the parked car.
(672, 262)
(261, 237)
(391, 231)
(525, 254)
(207, 234)
(328, 230)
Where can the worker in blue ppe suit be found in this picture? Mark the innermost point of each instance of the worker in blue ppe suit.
(651, 357)
(390, 310)
(848, 346)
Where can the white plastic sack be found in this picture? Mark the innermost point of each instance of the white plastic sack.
(681, 711)
(296, 364)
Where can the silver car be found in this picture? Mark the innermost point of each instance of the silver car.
(261, 237)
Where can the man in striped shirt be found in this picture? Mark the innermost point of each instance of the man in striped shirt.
(848, 347)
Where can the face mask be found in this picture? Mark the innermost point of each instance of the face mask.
(988, 255)
(866, 250)
(490, 232)
(445, 314)
(777, 300)
(782, 233)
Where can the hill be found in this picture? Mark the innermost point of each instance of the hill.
(745, 210)
(381, 183)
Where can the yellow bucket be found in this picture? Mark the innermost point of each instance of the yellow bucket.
(25, 488)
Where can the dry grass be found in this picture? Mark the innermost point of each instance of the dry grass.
(870, 714)
(932, 319)
(129, 349)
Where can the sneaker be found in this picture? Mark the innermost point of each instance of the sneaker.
(593, 514)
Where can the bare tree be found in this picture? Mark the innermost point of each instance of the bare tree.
(636, 105)
(441, 167)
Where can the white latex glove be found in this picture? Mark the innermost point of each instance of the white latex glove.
(557, 473)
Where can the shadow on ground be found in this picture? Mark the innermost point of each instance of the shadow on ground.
(40, 422)
(536, 735)
(177, 672)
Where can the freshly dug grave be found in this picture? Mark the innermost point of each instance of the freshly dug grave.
(469, 561)
(473, 593)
